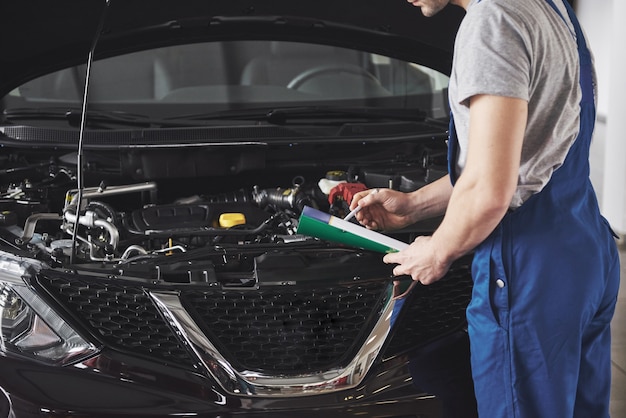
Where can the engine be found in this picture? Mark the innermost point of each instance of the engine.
(90, 229)
(190, 229)
(99, 232)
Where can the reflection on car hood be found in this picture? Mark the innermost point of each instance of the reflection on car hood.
(42, 36)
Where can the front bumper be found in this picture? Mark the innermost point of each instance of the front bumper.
(107, 386)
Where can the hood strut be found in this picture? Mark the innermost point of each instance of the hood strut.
(83, 122)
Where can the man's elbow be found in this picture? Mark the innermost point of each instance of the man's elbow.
(496, 203)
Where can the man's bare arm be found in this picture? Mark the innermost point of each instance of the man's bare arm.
(482, 194)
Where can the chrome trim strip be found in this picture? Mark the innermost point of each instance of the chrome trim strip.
(244, 382)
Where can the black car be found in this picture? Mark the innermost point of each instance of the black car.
(156, 159)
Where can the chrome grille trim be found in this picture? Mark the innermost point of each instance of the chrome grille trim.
(244, 382)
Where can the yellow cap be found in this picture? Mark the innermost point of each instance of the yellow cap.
(228, 220)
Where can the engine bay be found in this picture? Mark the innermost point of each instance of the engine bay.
(235, 230)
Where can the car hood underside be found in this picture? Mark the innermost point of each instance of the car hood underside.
(62, 33)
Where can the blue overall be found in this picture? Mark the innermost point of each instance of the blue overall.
(545, 288)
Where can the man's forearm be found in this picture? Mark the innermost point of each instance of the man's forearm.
(432, 200)
(471, 216)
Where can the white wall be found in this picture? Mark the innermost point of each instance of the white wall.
(594, 16)
(604, 26)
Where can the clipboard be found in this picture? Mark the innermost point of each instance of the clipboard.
(322, 225)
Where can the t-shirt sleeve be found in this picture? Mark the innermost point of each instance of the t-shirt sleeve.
(492, 54)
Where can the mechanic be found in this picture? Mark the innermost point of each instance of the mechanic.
(546, 269)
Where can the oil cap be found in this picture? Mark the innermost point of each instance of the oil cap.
(230, 219)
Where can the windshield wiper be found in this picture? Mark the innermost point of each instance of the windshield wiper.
(73, 117)
(327, 112)
(291, 115)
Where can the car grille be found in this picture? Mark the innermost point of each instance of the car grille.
(291, 331)
(274, 330)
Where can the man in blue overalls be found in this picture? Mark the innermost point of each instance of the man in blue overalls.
(546, 268)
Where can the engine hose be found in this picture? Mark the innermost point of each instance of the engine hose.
(279, 198)
(90, 220)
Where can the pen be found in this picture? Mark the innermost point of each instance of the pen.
(352, 213)
(356, 210)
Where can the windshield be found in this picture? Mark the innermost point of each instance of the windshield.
(222, 76)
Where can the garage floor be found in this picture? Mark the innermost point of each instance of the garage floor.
(618, 327)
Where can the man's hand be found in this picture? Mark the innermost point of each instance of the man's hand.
(419, 260)
(389, 209)
(384, 209)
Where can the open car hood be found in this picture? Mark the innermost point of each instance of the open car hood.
(42, 36)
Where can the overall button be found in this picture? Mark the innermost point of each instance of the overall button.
(500, 283)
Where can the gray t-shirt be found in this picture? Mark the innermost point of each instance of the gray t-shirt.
(521, 49)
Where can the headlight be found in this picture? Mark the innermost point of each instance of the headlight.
(32, 329)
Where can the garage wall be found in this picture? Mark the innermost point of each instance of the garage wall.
(601, 21)
(594, 15)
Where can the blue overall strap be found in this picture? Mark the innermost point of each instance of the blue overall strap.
(586, 82)
(453, 147)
